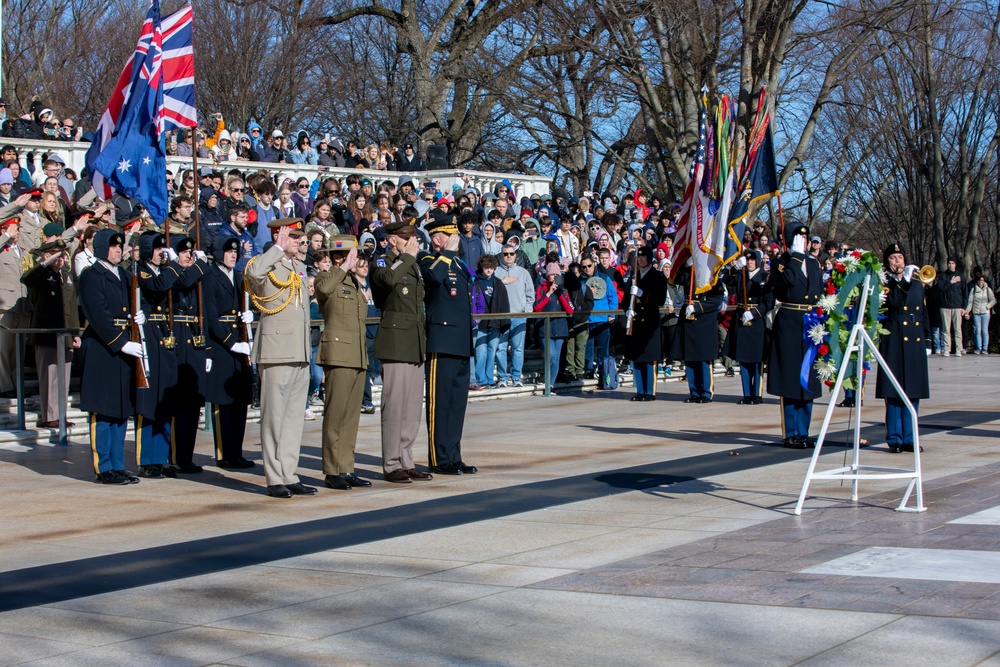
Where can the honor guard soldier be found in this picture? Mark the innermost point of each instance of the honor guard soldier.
(157, 274)
(52, 293)
(277, 282)
(187, 396)
(343, 354)
(642, 347)
(905, 348)
(697, 339)
(401, 346)
(228, 383)
(448, 302)
(107, 383)
(797, 283)
(748, 332)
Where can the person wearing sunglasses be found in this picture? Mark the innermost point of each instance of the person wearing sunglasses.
(301, 196)
(521, 296)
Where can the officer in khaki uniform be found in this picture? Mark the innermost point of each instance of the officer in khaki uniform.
(401, 346)
(14, 310)
(343, 355)
(281, 351)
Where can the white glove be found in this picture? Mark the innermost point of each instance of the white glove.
(635, 291)
(740, 262)
(132, 349)
(689, 262)
(630, 314)
(798, 244)
(198, 254)
(928, 352)
(208, 365)
(240, 348)
(747, 317)
(139, 318)
(171, 254)
(689, 310)
(247, 317)
(909, 271)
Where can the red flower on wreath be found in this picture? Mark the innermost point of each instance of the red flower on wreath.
(840, 267)
(828, 383)
(830, 287)
(824, 350)
(856, 254)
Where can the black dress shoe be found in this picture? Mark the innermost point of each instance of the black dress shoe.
(757, 400)
(896, 448)
(154, 471)
(397, 477)
(189, 468)
(810, 442)
(745, 401)
(235, 464)
(637, 397)
(127, 476)
(110, 477)
(692, 399)
(450, 469)
(846, 403)
(279, 491)
(795, 442)
(337, 482)
(354, 480)
(300, 489)
(468, 470)
(908, 447)
(413, 473)
(589, 375)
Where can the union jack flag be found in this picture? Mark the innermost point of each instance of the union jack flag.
(128, 153)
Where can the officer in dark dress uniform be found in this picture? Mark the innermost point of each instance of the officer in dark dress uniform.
(157, 275)
(748, 333)
(107, 383)
(401, 346)
(642, 348)
(796, 282)
(448, 301)
(905, 348)
(228, 383)
(697, 340)
(187, 395)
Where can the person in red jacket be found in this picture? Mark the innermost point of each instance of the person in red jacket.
(550, 297)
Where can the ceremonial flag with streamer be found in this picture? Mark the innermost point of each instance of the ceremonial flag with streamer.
(758, 178)
(702, 226)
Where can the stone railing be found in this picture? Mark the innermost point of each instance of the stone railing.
(73, 154)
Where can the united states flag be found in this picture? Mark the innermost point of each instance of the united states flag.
(154, 93)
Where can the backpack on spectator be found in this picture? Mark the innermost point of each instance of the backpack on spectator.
(607, 373)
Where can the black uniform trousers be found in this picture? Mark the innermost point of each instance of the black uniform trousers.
(183, 433)
(229, 425)
(447, 397)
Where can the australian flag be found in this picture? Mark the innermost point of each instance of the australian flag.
(761, 182)
(128, 153)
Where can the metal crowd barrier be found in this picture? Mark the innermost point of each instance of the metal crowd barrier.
(61, 336)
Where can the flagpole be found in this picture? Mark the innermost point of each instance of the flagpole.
(199, 340)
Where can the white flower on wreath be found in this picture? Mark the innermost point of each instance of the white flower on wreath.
(883, 277)
(817, 333)
(850, 264)
(882, 294)
(825, 370)
(827, 302)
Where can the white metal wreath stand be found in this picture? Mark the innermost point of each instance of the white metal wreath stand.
(856, 343)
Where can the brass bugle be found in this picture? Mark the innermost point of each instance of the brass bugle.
(927, 274)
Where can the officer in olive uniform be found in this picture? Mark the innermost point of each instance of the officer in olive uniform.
(52, 293)
(905, 348)
(187, 396)
(448, 302)
(643, 346)
(401, 346)
(228, 383)
(157, 274)
(107, 383)
(748, 331)
(343, 354)
(797, 282)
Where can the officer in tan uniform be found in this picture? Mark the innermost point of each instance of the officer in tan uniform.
(14, 310)
(276, 281)
(343, 355)
(401, 346)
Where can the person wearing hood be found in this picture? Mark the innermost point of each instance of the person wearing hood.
(334, 154)
(489, 295)
(210, 219)
(490, 245)
(229, 380)
(107, 381)
(304, 153)
(640, 204)
(245, 150)
(40, 116)
(186, 145)
(187, 395)
(223, 150)
(256, 133)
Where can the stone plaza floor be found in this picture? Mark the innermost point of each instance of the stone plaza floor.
(597, 532)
